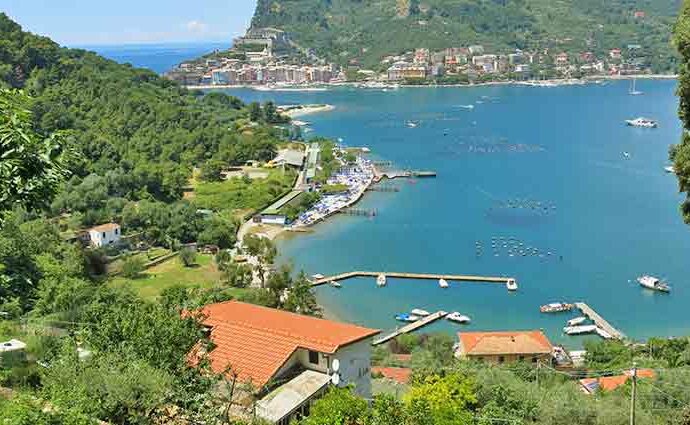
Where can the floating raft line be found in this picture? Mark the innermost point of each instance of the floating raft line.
(411, 327)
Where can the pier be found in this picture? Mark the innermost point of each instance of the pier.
(383, 188)
(411, 327)
(599, 321)
(359, 212)
(399, 275)
(395, 174)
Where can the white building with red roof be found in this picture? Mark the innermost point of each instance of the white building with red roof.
(105, 234)
(287, 358)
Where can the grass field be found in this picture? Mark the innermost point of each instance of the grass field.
(172, 272)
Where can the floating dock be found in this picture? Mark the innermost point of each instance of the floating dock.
(448, 277)
(600, 321)
(411, 327)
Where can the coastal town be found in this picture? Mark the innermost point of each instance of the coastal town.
(265, 58)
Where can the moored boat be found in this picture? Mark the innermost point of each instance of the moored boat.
(458, 318)
(512, 285)
(580, 330)
(670, 169)
(381, 280)
(555, 307)
(317, 276)
(420, 312)
(443, 283)
(651, 282)
(335, 284)
(642, 122)
(405, 317)
(577, 321)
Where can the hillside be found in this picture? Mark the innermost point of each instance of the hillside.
(366, 31)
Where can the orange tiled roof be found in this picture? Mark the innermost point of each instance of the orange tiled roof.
(610, 383)
(107, 227)
(515, 342)
(254, 342)
(397, 374)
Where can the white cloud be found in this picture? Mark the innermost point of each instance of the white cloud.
(196, 27)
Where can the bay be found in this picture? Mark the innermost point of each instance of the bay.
(605, 218)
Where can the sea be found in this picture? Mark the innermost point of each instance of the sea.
(544, 184)
(156, 57)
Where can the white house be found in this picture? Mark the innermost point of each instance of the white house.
(105, 234)
(289, 359)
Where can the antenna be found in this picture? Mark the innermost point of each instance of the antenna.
(335, 365)
(335, 379)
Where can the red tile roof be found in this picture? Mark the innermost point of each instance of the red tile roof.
(610, 383)
(107, 227)
(495, 343)
(254, 342)
(400, 375)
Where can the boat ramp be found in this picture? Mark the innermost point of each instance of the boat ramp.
(411, 327)
(421, 276)
(599, 321)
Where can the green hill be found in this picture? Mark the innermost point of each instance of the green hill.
(365, 31)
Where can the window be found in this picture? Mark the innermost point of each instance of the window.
(313, 357)
(501, 359)
(103, 235)
(534, 359)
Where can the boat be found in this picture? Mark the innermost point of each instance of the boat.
(577, 321)
(420, 312)
(381, 280)
(512, 285)
(443, 283)
(405, 317)
(626, 155)
(555, 307)
(458, 318)
(642, 122)
(651, 282)
(633, 91)
(580, 330)
(412, 124)
(336, 284)
(317, 276)
(670, 169)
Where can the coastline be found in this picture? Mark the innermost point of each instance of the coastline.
(307, 110)
(528, 83)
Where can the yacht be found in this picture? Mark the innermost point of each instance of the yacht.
(405, 317)
(579, 330)
(381, 280)
(317, 276)
(577, 321)
(651, 282)
(642, 122)
(555, 307)
(458, 318)
(443, 283)
(512, 285)
(670, 169)
(420, 312)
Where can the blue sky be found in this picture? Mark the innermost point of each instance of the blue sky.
(97, 22)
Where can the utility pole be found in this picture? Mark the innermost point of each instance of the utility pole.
(633, 394)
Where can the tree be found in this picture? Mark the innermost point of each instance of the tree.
(255, 112)
(132, 267)
(31, 166)
(188, 256)
(301, 298)
(449, 398)
(340, 406)
(680, 154)
(237, 275)
(219, 232)
(211, 170)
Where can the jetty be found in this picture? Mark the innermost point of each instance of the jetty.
(423, 276)
(599, 321)
(411, 327)
(395, 174)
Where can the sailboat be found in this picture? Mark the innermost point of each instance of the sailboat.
(633, 90)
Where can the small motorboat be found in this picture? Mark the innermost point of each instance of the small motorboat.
(580, 330)
(412, 124)
(420, 312)
(670, 169)
(651, 282)
(405, 317)
(381, 280)
(335, 284)
(512, 285)
(577, 321)
(642, 122)
(458, 318)
(555, 307)
(443, 283)
(317, 276)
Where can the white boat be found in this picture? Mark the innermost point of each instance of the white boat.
(420, 312)
(443, 283)
(336, 284)
(670, 169)
(633, 90)
(580, 330)
(412, 124)
(381, 280)
(577, 321)
(512, 285)
(642, 122)
(458, 318)
(555, 307)
(317, 276)
(651, 282)
(626, 155)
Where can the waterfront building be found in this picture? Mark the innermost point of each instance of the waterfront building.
(421, 56)
(404, 70)
(501, 347)
(516, 58)
(288, 359)
(561, 59)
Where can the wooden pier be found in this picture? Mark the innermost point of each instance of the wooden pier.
(448, 277)
(411, 327)
(599, 321)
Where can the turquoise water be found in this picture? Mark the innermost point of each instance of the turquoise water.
(614, 218)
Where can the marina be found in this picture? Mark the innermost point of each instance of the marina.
(418, 324)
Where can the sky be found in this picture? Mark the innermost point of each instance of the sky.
(100, 22)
